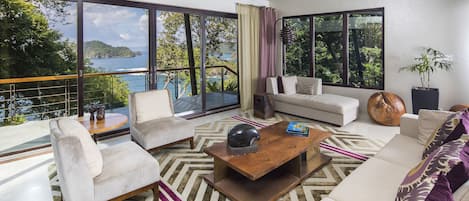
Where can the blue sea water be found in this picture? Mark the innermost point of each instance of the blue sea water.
(137, 82)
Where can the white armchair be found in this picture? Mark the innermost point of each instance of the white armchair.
(88, 173)
(152, 120)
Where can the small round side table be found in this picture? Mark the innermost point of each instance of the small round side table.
(110, 122)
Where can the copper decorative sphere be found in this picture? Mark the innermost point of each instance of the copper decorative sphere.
(458, 108)
(386, 108)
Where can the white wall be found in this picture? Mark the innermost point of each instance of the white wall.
(409, 25)
(215, 5)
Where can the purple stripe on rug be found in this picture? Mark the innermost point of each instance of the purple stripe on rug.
(169, 191)
(253, 123)
(345, 151)
(322, 145)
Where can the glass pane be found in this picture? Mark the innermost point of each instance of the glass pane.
(328, 48)
(36, 40)
(115, 41)
(366, 49)
(298, 52)
(221, 63)
(174, 71)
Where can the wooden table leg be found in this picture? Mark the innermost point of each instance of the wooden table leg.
(220, 170)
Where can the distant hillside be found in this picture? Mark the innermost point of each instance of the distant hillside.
(97, 49)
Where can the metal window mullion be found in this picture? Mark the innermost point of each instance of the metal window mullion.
(345, 46)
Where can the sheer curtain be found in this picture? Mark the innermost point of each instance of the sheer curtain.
(267, 46)
(248, 37)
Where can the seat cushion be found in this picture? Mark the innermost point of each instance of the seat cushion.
(289, 85)
(92, 155)
(402, 150)
(152, 105)
(309, 85)
(163, 131)
(325, 102)
(429, 121)
(127, 167)
(374, 180)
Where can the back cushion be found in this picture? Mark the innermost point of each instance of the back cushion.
(289, 85)
(92, 155)
(429, 121)
(309, 85)
(152, 105)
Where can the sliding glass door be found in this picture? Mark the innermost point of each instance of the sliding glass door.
(180, 39)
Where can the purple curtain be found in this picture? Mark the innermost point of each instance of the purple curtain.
(267, 46)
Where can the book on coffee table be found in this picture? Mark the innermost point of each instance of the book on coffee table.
(298, 129)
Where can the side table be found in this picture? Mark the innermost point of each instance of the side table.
(263, 106)
(110, 122)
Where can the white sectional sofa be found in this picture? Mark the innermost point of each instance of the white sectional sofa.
(379, 177)
(334, 109)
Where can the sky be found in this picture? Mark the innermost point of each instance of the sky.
(114, 25)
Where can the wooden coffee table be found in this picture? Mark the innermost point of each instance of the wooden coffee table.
(280, 164)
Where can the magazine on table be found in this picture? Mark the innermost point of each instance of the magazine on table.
(298, 129)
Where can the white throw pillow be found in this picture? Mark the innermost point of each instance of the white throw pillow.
(152, 105)
(93, 157)
(429, 121)
(309, 85)
(289, 85)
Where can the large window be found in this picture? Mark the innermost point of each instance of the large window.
(347, 48)
(59, 56)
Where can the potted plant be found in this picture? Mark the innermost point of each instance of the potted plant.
(428, 62)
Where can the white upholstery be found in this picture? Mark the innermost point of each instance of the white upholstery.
(152, 105)
(289, 85)
(163, 128)
(309, 85)
(401, 155)
(325, 102)
(125, 167)
(335, 109)
(374, 180)
(163, 131)
(429, 121)
(379, 177)
(91, 152)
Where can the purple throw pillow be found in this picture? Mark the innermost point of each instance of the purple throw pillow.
(452, 129)
(280, 85)
(421, 180)
(441, 190)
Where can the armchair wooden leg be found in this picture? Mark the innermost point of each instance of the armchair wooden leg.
(156, 192)
(191, 141)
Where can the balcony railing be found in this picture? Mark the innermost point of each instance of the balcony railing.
(42, 98)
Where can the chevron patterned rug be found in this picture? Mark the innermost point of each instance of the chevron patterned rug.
(181, 167)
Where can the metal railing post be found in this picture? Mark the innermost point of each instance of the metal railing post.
(67, 98)
(222, 80)
(12, 102)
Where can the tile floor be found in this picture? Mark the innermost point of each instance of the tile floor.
(27, 179)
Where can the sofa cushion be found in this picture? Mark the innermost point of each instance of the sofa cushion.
(325, 102)
(402, 150)
(289, 85)
(92, 155)
(309, 85)
(159, 132)
(152, 105)
(127, 167)
(451, 129)
(462, 194)
(421, 179)
(429, 121)
(374, 180)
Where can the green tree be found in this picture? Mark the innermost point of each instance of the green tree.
(30, 48)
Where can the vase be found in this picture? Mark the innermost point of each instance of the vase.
(101, 113)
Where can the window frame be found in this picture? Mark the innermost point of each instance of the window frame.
(345, 44)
